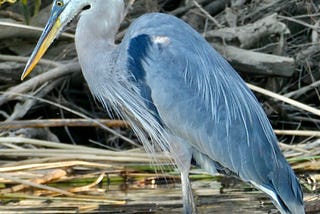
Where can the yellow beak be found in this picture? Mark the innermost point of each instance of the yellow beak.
(48, 35)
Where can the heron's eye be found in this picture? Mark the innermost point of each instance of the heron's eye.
(59, 3)
(86, 7)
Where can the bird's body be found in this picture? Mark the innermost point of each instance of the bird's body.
(173, 87)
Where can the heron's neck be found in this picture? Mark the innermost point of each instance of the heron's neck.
(95, 35)
(99, 24)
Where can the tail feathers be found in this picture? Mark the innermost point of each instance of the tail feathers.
(280, 184)
(285, 191)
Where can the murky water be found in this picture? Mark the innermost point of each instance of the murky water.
(210, 196)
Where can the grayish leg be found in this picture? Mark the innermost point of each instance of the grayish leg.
(183, 154)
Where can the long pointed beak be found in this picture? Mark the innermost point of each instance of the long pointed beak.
(48, 35)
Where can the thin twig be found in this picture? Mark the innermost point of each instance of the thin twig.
(294, 148)
(87, 187)
(285, 99)
(40, 186)
(207, 14)
(23, 59)
(33, 28)
(298, 133)
(43, 123)
(303, 90)
(313, 27)
(60, 164)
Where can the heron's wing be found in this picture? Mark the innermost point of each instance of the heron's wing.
(199, 97)
(201, 100)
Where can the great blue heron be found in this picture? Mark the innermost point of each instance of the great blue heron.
(175, 89)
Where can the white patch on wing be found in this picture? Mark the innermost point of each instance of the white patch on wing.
(163, 40)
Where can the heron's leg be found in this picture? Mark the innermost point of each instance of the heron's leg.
(188, 200)
(182, 154)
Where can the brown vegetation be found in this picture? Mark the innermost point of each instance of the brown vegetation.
(273, 44)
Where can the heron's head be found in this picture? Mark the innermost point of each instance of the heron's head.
(62, 12)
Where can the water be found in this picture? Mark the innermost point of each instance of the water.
(210, 196)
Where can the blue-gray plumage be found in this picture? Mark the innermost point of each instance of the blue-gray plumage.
(175, 89)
